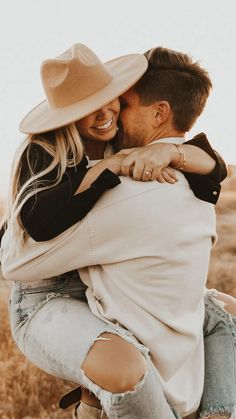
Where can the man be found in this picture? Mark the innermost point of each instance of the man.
(162, 106)
(147, 116)
(143, 251)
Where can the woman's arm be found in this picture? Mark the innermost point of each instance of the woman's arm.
(200, 158)
(219, 171)
(50, 212)
(204, 168)
(207, 188)
(112, 163)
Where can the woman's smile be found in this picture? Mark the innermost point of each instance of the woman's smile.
(100, 125)
(105, 126)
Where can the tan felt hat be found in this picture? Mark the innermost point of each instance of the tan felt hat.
(77, 83)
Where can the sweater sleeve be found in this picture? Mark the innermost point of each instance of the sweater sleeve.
(50, 212)
(207, 187)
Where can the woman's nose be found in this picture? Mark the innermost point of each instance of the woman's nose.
(103, 113)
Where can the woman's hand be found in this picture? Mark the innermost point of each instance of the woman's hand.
(230, 302)
(150, 163)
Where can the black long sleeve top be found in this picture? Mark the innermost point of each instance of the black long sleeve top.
(207, 187)
(48, 213)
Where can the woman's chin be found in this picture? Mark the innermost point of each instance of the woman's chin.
(106, 135)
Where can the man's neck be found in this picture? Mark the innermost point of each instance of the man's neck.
(154, 135)
(164, 133)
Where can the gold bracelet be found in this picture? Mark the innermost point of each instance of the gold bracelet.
(182, 161)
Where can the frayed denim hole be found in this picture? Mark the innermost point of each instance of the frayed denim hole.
(220, 411)
(106, 397)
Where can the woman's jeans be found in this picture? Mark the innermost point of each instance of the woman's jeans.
(53, 326)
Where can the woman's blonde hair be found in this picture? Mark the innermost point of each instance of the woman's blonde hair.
(65, 147)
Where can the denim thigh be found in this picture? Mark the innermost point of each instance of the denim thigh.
(219, 395)
(53, 326)
(27, 298)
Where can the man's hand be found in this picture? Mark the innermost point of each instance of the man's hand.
(149, 163)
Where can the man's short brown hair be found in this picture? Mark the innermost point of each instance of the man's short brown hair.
(174, 77)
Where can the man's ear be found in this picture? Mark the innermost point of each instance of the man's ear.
(162, 112)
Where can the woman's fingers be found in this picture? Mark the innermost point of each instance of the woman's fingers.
(142, 172)
(169, 175)
(145, 169)
(147, 174)
(164, 175)
(157, 174)
(127, 167)
(136, 167)
(131, 167)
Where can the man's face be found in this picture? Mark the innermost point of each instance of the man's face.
(136, 119)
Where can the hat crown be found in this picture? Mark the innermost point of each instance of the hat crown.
(84, 54)
(73, 76)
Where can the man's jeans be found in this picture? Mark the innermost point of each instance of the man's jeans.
(219, 395)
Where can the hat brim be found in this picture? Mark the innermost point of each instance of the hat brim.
(125, 70)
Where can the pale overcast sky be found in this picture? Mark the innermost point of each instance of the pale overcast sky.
(33, 31)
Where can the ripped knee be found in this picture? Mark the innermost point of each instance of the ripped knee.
(114, 364)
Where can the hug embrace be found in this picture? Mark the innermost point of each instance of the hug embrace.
(107, 239)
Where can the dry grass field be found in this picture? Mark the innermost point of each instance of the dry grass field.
(28, 393)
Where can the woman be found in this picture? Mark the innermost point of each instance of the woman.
(51, 170)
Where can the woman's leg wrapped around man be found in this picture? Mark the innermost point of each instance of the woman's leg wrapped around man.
(60, 334)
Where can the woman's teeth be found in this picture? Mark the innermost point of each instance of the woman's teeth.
(104, 126)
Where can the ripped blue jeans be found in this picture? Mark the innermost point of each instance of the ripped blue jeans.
(53, 326)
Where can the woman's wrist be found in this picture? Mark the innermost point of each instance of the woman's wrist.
(113, 163)
(178, 160)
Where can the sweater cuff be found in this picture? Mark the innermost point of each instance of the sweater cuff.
(219, 172)
(106, 180)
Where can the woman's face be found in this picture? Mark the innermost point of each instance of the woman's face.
(102, 124)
